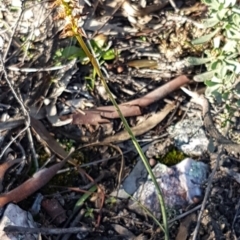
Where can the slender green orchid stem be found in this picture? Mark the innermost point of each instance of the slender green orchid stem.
(134, 140)
(125, 123)
(72, 20)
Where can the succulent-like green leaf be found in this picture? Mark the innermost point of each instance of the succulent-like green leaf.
(210, 83)
(203, 76)
(216, 64)
(223, 71)
(193, 61)
(73, 52)
(236, 19)
(208, 2)
(216, 79)
(210, 22)
(205, 38)
(217, 96)
(213, 4)
(222, 13)
(209, 90)
(225, 96)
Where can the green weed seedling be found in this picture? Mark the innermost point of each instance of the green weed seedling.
(89, 212)
(111, 200)
(103, 52)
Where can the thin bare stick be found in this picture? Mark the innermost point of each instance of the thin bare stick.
(30, 140)
(32, 148)
(74, 222)
(11, 38)
(25, 112)
(29, 70)
(185, 214)
(20, 168)
(210, 180)
(47, 231)
(31, 36)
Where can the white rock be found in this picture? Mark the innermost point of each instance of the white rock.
(180, 186)
(189, 136)
(15, 216)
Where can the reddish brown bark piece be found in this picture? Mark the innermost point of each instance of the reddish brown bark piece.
(5, 166)
(131, 108)
(160, 92)
(101, 114)
(38, 180)
(55, 210)
(90, 117)
(43, 176)
(127, 111)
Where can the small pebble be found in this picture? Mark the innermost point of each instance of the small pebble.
(46, 101)
(120, 69)
(152, 162)
(196, 199)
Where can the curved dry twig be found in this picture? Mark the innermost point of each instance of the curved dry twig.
(25, 112)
